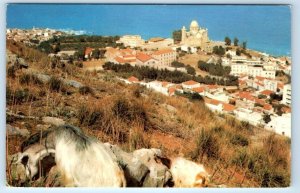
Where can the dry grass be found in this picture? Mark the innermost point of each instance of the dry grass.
(135, 117)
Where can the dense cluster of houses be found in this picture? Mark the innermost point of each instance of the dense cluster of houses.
(250, 106)
(32, 36)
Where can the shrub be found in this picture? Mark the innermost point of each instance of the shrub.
(237, 139)
(137, 139)
(124, 110)
(19, 96)
(85, 90)
(55, 84)
(11, 72)
(89, 117)
(240, 158)
(245, 125)
(206, 144)
(27, 78)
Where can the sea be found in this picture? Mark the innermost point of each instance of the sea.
(266, 28)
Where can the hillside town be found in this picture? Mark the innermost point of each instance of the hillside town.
(262, 96)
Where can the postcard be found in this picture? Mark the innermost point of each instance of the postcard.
(144, 95)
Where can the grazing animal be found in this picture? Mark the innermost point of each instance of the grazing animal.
(186, 174)
(82, 161)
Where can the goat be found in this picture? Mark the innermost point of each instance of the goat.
(186, 173)
(82, 161)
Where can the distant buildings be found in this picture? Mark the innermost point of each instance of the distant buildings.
(287, 95)
(32, 36)
(158, 43)
(132, 41)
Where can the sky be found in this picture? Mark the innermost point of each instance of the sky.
(265, 28)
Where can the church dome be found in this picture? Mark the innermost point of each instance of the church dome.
(194, 24)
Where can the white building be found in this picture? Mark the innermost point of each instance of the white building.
(132, 40)
(158, 43)
(164, 57)
(253, 118)
(190, 49)
(220, 96)
(287, 95)
(161, 87)
(226, 61)
(270, 85)
(251, 70)
(280, 124)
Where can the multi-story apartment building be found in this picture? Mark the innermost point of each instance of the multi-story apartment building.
(165, 57)
(287, 95)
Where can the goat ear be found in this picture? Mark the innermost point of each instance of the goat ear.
(165, 161)
(24, 160)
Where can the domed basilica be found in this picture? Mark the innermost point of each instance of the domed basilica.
(196, 37)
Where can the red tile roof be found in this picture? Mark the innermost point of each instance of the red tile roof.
(88, 50)
(165, 51)
(143, 57)
(172, 90)
(258, 83)
(266, 92)
(268, 107)
(259, 78)
(165, 84)
(133, 79)
(280, 85)
(259, 101)
(212, 86)
(190, 82)
(228, 107)
(286, 109)
(120, 60)
(246, 95)
(199, 89)
(212, 101)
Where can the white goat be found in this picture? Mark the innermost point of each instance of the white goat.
(81, 160)
(188, 174)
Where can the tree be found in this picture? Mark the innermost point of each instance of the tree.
(244, 45)
(267, 118)
(177, 35)
(96, 54)
(227, 41)
(236, 41)
(177, 64)
(190, 70)
(238, 52)
(219, 50)
(228, 56)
